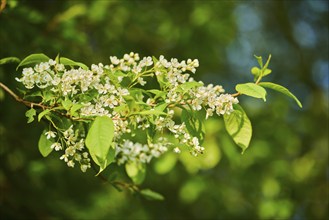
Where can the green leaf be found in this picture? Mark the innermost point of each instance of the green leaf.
(57, 58)
(255, 71)
(33, 59)
(281, 89)
(136, 171)
(151, 195)
(161, 106)
(34, 94)
(110, 158)
(67, 62)
(43, 113)
(9, 60)
(189, 85)
(155, 60)
(194, 121)
(259, 60)
(158, 93)
(150, 112)
(266, 72)
(48, 95)
(75, 107)
(251, 89)
(30, 115)
(67, 104)
(99, 139)
(44, 144)
(262, 71)
(136, 94)
(239, 127)
(114, 77)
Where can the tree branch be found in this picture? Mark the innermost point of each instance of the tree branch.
(19, 99)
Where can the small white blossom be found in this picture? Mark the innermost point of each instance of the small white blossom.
(50, 134)
(70, 163)
(177, 150)
(56, 146)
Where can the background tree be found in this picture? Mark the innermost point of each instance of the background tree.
(282, 175)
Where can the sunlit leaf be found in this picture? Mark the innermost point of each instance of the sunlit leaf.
(189, 85)
(43, 113)
(255, 71)
(75, 107)
(9, 60)
(239, 127)
(44, 144)
(259, 60)
(161, 107)
(266, 72)
(251, 89)
(99, 139)
(67, 103)
(67, 62)
(157, 93)
(194, 121)
(33, 59)
(30, 115)
(110, 158)
(281, 89)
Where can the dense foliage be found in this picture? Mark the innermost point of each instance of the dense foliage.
(96, 115)
(281, 175)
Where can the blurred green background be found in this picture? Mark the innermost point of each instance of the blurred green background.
(283, 175)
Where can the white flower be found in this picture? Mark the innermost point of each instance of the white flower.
(50, 134)
(84, 167)
(68, 132)
(210, 112)
(114, 60)
(146, 61)
(141, 81)
(59, 67)
(129, 151)
(77, 157)
(195, 141)
(70, 151)
(57, 146)
(85, 154)
(28, 71)
(64, 157)
(70, 163)
(177, 150)
(52, 62)
(41, 67)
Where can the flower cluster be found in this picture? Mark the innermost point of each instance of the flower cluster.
(74, 148)
(132, 152)
(114, 90)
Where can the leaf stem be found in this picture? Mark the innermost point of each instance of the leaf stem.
(236, 94)
(259, 78)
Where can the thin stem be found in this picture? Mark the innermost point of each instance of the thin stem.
(259, 78)
(19, 99)
(236, 94)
